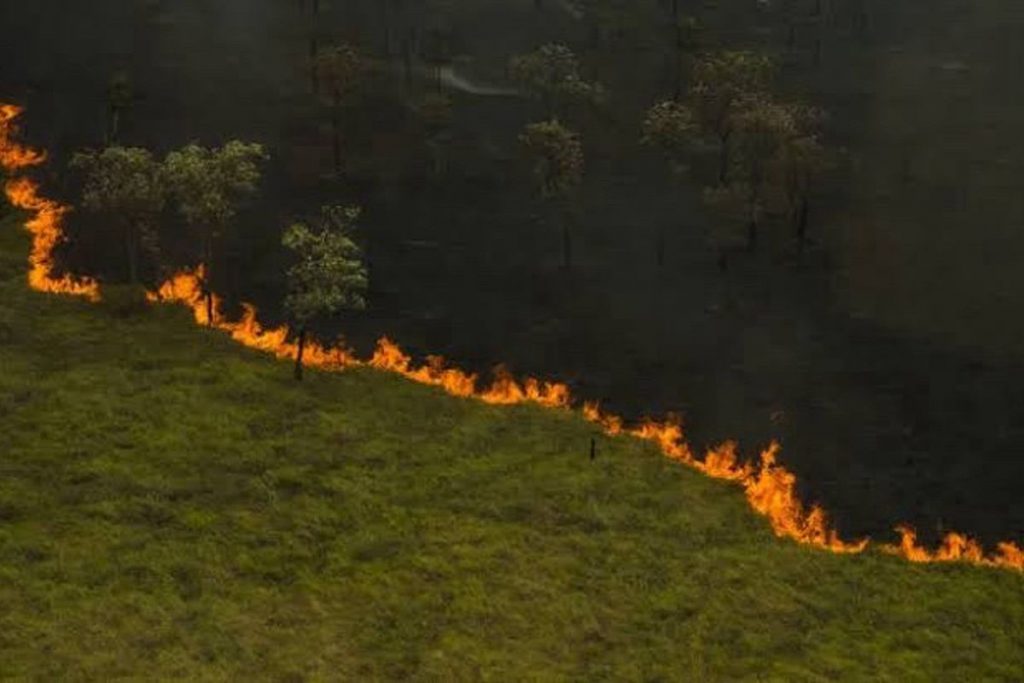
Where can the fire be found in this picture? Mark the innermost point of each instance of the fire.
(956, 547)
(45, 224)
(12, 155)
(186, 288)
(770, 489)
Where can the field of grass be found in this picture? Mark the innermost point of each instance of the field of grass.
(173, 506)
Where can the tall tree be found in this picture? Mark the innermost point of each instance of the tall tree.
(209, 186)
(802, 159)
(435, 111)
(342, 71)
(720, 83)
(551, 73)
(762, 129)
(119, 100)
(670, 127)
(127, 186)
(557, 156)
(328, 275)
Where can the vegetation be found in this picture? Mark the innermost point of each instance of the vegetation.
(328, 276)
(119, 100)
(551, 73)
(671, 127)
(126, 185)
(557, 157)
(721, 83)
(342, 70)
(173, 508)
(208, 186)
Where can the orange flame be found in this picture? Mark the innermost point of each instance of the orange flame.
(957, 547)
(12, 155)
(45, 225)
(769, 487)
(187, 288)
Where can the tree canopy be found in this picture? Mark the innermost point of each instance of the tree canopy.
(552, 74)
(328, 275)
(127, 185)
(557, 155)
(209, 183)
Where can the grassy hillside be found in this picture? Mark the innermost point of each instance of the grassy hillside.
(174, 506)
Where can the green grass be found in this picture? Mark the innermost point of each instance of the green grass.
(173, 506)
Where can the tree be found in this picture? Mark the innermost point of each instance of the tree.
(557, 155)
(343, 71)
(671, 127)
(720, 82)
(328, 276)
(119, 99)
(801, 160)
(762, 129)
(209, 186)
(127, 186)
(552, 74)
(435, 110)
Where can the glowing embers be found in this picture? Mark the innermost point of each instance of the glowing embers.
(45, 224)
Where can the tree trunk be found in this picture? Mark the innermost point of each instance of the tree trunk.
(314, 75)
(336, 137)
(208, 294)
(566, 245)
(115, 124)
(299, 354)
(133, 257)
(752, 226)
(207, 269)
(407, 62)
(723, 159)
(802, 222)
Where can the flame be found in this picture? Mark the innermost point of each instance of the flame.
(45, 225)
(12, 155)
(187, 288)
(956, 547)
(770, 488)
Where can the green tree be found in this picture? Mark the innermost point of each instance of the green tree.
(328, 275)
(720, 83)
(209, 186)
(558, 162)
(343, 72)
(551, 73)
(671, 128)
(126, 185)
